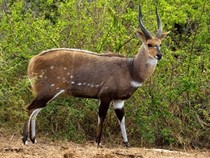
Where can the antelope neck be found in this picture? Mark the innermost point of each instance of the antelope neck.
(138, 66)
(134, 71)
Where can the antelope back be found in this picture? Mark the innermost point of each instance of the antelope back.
(74, 71)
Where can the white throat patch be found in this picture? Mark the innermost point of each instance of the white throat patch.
(135, 84)
(152, 61)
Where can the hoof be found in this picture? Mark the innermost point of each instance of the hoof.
(99, 145)
(33, 140)
(127, 145)
(24, 139)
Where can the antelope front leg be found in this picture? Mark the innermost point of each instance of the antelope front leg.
(25, 132)
(104, 105)
(119, 110)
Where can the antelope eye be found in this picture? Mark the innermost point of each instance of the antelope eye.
(149, 45)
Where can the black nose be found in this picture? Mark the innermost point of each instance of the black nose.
(159, 56)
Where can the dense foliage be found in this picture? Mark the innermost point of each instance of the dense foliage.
(170, 109)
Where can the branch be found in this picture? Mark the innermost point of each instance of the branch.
(202, 123)
(127, 41)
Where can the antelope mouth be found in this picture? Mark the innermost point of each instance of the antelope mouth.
(158, 56)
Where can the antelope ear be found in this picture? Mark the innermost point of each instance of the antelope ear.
(164, 35)
(140, 36)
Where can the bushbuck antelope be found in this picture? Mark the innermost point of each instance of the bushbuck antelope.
(80, 73)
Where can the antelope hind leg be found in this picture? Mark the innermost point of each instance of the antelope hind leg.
(33, 125)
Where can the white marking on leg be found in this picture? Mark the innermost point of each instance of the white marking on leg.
(56, 95)
(33, 123)
(118, 104)
(99, 120)
(123, 129)
(135, 84)
(30, 117)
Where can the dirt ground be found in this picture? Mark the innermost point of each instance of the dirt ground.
(12, 147)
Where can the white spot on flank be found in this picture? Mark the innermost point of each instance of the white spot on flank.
(79, 84)
(57, 88)
(72, 82)
(72, 76)
(118, 104)
(84, 84)
(102, 83)
(51, 67)
(58, 77)
(52, 85)
(65, 68)
(97, 85)
(68, 73)
(88, 84)
(135, 84)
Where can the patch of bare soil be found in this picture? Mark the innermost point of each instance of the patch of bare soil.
(12, 147)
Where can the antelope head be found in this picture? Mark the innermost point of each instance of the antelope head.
(151, 43)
